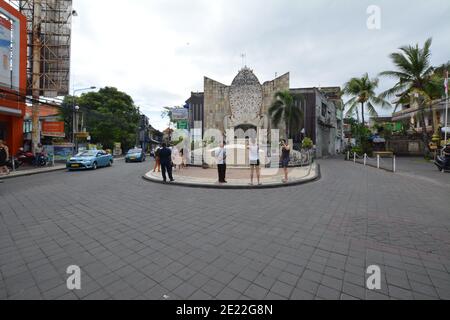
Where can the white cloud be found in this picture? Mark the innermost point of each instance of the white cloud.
(159, 51)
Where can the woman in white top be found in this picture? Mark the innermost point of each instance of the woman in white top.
(253, 149)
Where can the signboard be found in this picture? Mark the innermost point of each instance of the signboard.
(180, 114)
(182, 124)
(53, 129)
(10, 28)
(63, 151)
(5, 51)
(82, 135)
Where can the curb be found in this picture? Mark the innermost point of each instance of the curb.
(8, 177)
(231, 187)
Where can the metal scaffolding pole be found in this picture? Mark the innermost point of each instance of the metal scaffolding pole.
(36, 49)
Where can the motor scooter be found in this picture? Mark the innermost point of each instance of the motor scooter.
(443, 163)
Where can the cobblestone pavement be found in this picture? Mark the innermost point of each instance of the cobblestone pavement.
(138, 240)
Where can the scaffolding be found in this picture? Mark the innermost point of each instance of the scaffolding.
(55, 39)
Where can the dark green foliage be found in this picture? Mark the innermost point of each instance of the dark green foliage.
(110, 116)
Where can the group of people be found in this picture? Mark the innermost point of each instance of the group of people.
(165, 157)
(254, 159)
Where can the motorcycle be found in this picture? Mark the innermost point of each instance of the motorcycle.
(443, 163)
(25, 158)
(41, 160)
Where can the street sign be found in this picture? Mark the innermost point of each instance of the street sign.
(180, 114)
(182, 124)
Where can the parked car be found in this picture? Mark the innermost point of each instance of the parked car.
(135, 155)
(90, 159)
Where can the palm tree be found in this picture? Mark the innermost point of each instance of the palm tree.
(285, 109)
(362, 91)
(413, 75)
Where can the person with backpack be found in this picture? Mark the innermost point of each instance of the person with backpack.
(157, 160)
(4, 156)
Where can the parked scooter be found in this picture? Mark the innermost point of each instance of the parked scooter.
(25, 157)
(443, 162)
(40, 160)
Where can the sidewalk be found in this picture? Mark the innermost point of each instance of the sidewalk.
(33, 170)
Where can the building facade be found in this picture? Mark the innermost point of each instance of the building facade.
(244, 107)
(13, 75)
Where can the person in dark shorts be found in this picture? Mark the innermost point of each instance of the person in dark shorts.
(285, 158)
(253, 155)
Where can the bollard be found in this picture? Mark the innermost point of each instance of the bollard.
(365, 158)
(53, 160)
(354, 157)
(378, 161)
(394, 164)
(348, 156)
(13, 162)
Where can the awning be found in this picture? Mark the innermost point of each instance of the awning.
(10, 111)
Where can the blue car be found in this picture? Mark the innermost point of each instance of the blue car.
(135, 155)
(91, 159)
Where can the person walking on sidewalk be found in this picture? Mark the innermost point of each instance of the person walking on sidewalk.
(165, 156)
(253, 149)
(221, 156)
(285, 158)
(4, 156)
(157, 160)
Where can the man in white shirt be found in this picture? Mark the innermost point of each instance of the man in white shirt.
(221, 156)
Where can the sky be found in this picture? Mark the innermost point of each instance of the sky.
(158, 51)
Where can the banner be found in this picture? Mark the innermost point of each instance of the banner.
(180, 114)
(53, 129)
(5, 51)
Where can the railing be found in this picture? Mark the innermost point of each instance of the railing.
(377, 162)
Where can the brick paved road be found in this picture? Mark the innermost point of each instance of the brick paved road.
(137, 240)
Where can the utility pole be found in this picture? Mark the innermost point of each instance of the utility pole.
(36, 134)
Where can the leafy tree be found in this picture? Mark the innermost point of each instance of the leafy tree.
(111, 116)
(284, 109)
(414, 76)
(362, 93)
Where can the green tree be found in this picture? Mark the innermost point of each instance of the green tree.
(285, 109)
(414, 76)
(362, 93)
(110, 116)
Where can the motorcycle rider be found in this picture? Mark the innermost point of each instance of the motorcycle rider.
(39, 156)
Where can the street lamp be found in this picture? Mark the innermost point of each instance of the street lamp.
(74, 111)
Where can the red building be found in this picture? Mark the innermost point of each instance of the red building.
(13, 73)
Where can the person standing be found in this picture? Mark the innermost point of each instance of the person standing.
(165, 156)
(221, 156)
(285, 158)
(4, 156)
(157, 160)
(253, 149)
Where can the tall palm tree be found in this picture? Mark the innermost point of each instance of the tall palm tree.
(284, 109)
(362, 93)
(413, 75)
